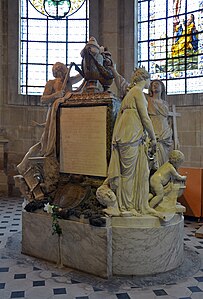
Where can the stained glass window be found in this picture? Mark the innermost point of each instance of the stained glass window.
(45, 40)
(170, 43)
(57, 8)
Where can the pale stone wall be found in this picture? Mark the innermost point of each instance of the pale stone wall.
(112, 23)
(190, 127)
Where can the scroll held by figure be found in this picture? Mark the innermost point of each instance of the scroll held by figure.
(158, 111)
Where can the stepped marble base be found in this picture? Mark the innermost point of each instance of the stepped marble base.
(126, 246)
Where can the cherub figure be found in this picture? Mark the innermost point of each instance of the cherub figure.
(165, 174)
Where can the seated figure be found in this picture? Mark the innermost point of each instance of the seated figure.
(30, 168)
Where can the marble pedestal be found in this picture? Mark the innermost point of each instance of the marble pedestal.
(126, 246)
(145, 246)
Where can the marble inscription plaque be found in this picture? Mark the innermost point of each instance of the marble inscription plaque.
(83, 140)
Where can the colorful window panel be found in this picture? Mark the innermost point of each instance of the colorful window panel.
(173, 32)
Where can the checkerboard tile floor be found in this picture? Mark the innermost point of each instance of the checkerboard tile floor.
(19, 279)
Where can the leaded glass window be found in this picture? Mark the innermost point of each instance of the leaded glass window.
(45, 40)
(170, 43)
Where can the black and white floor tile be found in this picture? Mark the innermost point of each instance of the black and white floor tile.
(26, 277)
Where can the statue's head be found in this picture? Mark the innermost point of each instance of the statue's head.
(59, 70)
(176, 158)
(162, 88)
(93, 42)
(139, 75)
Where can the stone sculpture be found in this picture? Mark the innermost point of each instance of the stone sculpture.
(132, 241)
(158, 112)
(34, 167)
(96, 62)
(167, 184)
(108, 198)
(121, 83)
(128, 173)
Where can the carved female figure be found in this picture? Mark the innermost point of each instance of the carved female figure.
(158, 112)
(128, 173)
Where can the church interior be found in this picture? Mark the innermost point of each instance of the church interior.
(115, 25)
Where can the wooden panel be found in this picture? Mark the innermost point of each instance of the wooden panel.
(83, 138)
(193, 195)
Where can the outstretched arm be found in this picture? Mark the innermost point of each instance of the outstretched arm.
(76, 79)
(120, 82)
(176, 175)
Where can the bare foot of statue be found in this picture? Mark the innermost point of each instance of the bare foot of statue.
(153, 212)
(135, 213)
(126, 214)
(130, 213)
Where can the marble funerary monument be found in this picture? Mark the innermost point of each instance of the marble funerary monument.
(101, 186)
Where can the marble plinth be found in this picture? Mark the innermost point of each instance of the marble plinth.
(126, 246)
(81, 246)
(144, 247)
